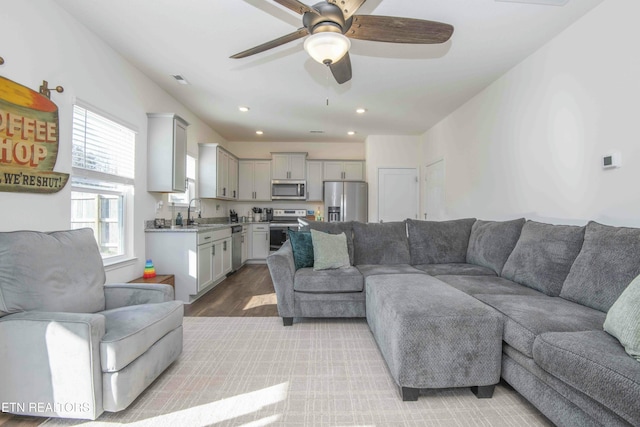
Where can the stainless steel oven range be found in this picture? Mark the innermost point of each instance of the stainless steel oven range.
(283, 220)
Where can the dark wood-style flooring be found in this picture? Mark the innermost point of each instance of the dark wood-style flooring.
(247, 292)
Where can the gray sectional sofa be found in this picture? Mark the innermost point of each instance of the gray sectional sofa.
(550, 287)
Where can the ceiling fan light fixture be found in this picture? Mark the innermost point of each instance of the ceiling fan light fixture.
(327, 47)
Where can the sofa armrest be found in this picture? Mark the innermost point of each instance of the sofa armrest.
(282, 269)
(126, 294)
(50, 364)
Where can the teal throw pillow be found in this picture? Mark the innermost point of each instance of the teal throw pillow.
(329, 250)
(623, 319)
(302, 247)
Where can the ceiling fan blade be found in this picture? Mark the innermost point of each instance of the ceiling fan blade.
(348, 7)
(301, 32)
(296, 6)
(392, 29)
(341, 70)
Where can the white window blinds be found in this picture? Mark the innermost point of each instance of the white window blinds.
(102, 149)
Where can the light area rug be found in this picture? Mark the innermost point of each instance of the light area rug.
(320, 372)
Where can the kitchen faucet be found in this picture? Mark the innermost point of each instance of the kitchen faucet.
(189, 220)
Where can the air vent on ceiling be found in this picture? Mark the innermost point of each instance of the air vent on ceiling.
(543, 2)
(180, 79)
(316, 131)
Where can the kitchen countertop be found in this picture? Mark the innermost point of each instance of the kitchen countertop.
(199, 228)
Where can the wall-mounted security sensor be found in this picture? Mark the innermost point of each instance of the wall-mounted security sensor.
(611, 161)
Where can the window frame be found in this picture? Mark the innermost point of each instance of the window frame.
(89, 181)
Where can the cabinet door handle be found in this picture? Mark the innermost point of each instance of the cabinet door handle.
(266, 237)
(213, 250)
(207, 238)
(224, 245)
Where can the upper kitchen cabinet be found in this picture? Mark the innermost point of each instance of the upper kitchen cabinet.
(341, 170)
(217, 173)
(254, 180)
(314, 180)
(288, 165)
(166, 153)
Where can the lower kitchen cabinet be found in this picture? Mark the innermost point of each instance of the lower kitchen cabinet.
(199, 260)
(259, 241)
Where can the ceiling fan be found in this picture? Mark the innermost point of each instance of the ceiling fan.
(330, 23)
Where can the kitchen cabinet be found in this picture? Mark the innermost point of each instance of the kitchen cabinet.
(217, 173)
(244, 252)
(199, 260)
(259, 241)
(233, 177)
(254, 178)
(288, 165)
(343, 170)
(221, 258)
(314, 180)
(166, 153)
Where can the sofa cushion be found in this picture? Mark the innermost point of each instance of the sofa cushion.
(335, 228)
(623, 319)
(608, 262)
(491, 242)
(384, 243)
(60, 271)
(346, 279)
(473, 285)
(133, 329)
(439, 242)
(597, 365)
(543, 256)
(455, 268)
(302, 247)
(376, 270)
(329, 250)
(526, 317)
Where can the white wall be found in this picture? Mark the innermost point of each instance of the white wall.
(42, 42)
(385, 151)
(531, 143)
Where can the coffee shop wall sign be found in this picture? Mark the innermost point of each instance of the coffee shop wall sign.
(28, 140)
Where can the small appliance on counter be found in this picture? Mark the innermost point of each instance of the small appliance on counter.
(269, 214)
(233, 216)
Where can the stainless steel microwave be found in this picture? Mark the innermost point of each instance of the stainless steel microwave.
(288, 190)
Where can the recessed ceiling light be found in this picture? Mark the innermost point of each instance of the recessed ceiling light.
(259, 132)
(351, 132)
(243, 109)
(361, 110)
(180, 79)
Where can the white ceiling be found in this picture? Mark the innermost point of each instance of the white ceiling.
(405, 88)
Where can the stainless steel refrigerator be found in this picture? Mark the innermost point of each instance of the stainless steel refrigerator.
(345, 201)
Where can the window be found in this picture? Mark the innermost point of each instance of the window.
(190, 193)
(103, 160)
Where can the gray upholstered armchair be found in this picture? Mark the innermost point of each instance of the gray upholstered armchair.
(71, 346)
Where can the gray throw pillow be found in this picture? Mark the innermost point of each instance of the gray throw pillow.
(623, 319)
(439, 242)
(329, 250)
(543, 256)
(384, 244)
(491, 242)
(608, 262)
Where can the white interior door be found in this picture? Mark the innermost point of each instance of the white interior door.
(434, 208)
(397, 194)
